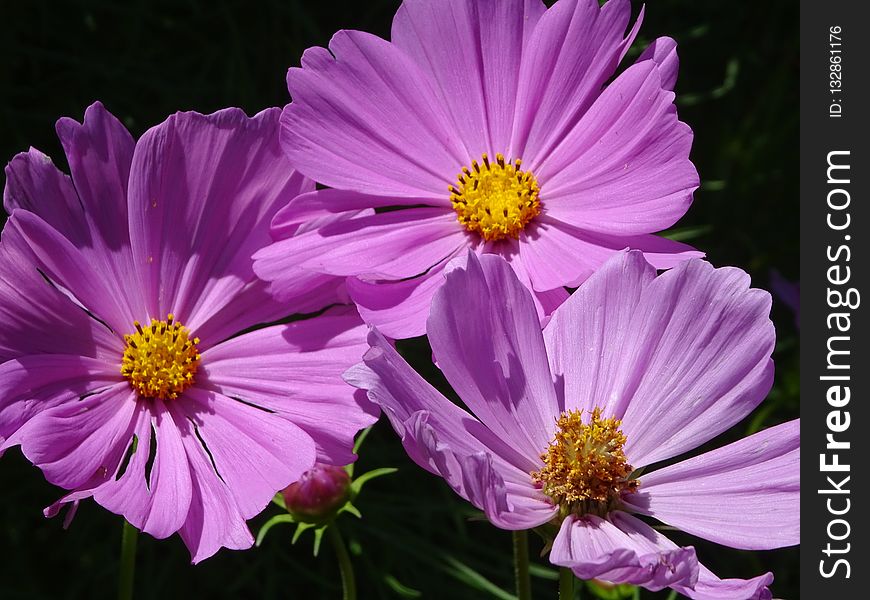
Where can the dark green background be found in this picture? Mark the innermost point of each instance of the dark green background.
(144, 60)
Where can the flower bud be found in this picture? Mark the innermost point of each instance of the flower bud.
(320, 492)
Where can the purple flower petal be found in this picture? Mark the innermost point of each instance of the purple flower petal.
(157, 503)
(300, 293)
(301, 290)
(472, 51)
(547, 300)
(756, 478)
(444, 439)
(624, 168)
(700, 357)
(398, 308)
(34, 184)
(71, 271)
(365, 117)
(623, 549)
(33, 312)
(32, 384)
(79, 443)
(574, 49)
(255, 451)
(554, 255)
(214, 520)
(593, 321)
(486, 335)
(391, 245)
(304, 291)
(557, 254)
(295, 371)
(710, 587)
(207, 491)
(100, 151)
(663, 51)
(660, 252)
(279, 263)
(203, 190)
(313, 207)
(694, 348)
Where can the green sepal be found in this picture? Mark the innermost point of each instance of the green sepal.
(300, 529)
(279, 500)
(285, 518)
(356, 446)
(357, 484)
(318, 534)
(350, 508)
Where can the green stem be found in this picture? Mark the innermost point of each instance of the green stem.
(128, 561)
(521, 565)
(566, 584)
(348, 583)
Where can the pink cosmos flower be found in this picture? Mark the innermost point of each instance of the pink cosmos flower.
(487, 125)
(632, 370)
(121, 290)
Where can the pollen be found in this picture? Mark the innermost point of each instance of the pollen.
(160, 359)
(495, 200)
(585, 468)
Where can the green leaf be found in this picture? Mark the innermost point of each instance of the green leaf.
(401, 589)
(684, 234)
(713, 185)
(473, 579)
(542, 572)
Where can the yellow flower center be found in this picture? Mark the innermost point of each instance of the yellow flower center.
(160, 360)
(585, 469)
(496, 200)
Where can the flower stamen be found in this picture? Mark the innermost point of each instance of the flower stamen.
(585, 468)
(160, 360)
(496, 200)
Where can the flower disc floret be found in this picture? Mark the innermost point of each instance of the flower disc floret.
(160, 360)
(585, 468)
(495, 200)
